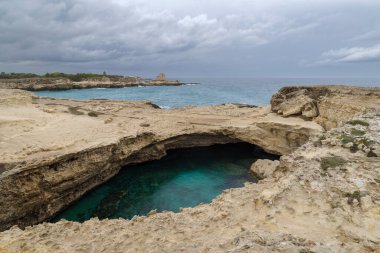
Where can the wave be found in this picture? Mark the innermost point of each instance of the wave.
(165, 107)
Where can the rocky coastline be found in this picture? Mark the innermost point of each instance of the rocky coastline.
(59, 83)
(322, 196)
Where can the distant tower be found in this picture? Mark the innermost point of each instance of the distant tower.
(161, 77)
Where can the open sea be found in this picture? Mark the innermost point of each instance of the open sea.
(208, 91)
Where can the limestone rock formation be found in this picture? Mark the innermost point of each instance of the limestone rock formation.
(322, 198)
(53, 151)
(264, 168)
(327, 105)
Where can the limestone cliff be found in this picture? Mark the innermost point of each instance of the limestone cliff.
(323, 197)
(53, 151)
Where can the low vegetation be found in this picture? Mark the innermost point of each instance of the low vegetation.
(332, 162)
(358, 122)
(73, 77)
(357, 132)
(12, 75)
(344, 138)
(74, 110)
(93, 114)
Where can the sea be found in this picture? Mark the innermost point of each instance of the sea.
(207, 91)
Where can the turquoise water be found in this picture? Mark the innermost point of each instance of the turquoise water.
(210, 91)
(183, 178)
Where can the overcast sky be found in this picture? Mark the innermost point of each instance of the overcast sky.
(192, 38)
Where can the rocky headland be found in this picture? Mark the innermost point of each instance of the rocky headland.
(62, 83)
(322, 196)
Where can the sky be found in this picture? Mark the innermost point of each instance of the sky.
(192, 38)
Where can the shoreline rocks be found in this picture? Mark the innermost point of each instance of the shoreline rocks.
(51, 83)
(323, 196)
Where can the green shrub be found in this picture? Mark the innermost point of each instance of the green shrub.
(358, 122)
(344, 138)
(332, 162)
(93, 114)
(357, 132)
(74, 110)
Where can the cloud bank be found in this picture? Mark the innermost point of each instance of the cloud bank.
(354, 54)
(241, 37)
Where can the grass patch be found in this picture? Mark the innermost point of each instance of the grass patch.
(332, 162)
(74, 110)
(358, 122)
(93, 114)
(344, 138)
(357, 132)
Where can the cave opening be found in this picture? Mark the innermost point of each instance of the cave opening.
(185, 177)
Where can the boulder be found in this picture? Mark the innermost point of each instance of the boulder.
(264, 168)
(299, 105)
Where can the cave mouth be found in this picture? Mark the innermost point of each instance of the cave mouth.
(183, 178)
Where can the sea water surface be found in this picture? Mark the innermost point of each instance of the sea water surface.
(209, 91)
(183, 178)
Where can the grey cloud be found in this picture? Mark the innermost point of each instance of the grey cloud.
(245, 37)
(354, 54)
(80, 31)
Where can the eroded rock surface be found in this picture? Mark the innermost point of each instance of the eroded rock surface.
(322, 198)
(264, 168)
(53, 151)
(326, 105)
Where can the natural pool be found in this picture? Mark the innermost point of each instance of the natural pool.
(183, 178)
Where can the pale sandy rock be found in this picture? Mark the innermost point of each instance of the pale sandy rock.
(302, 208)
(48, 160)
(322, 198)
(264, 168)
(299, 105)
(329, 106)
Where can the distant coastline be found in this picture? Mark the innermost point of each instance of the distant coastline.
(63, 81)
